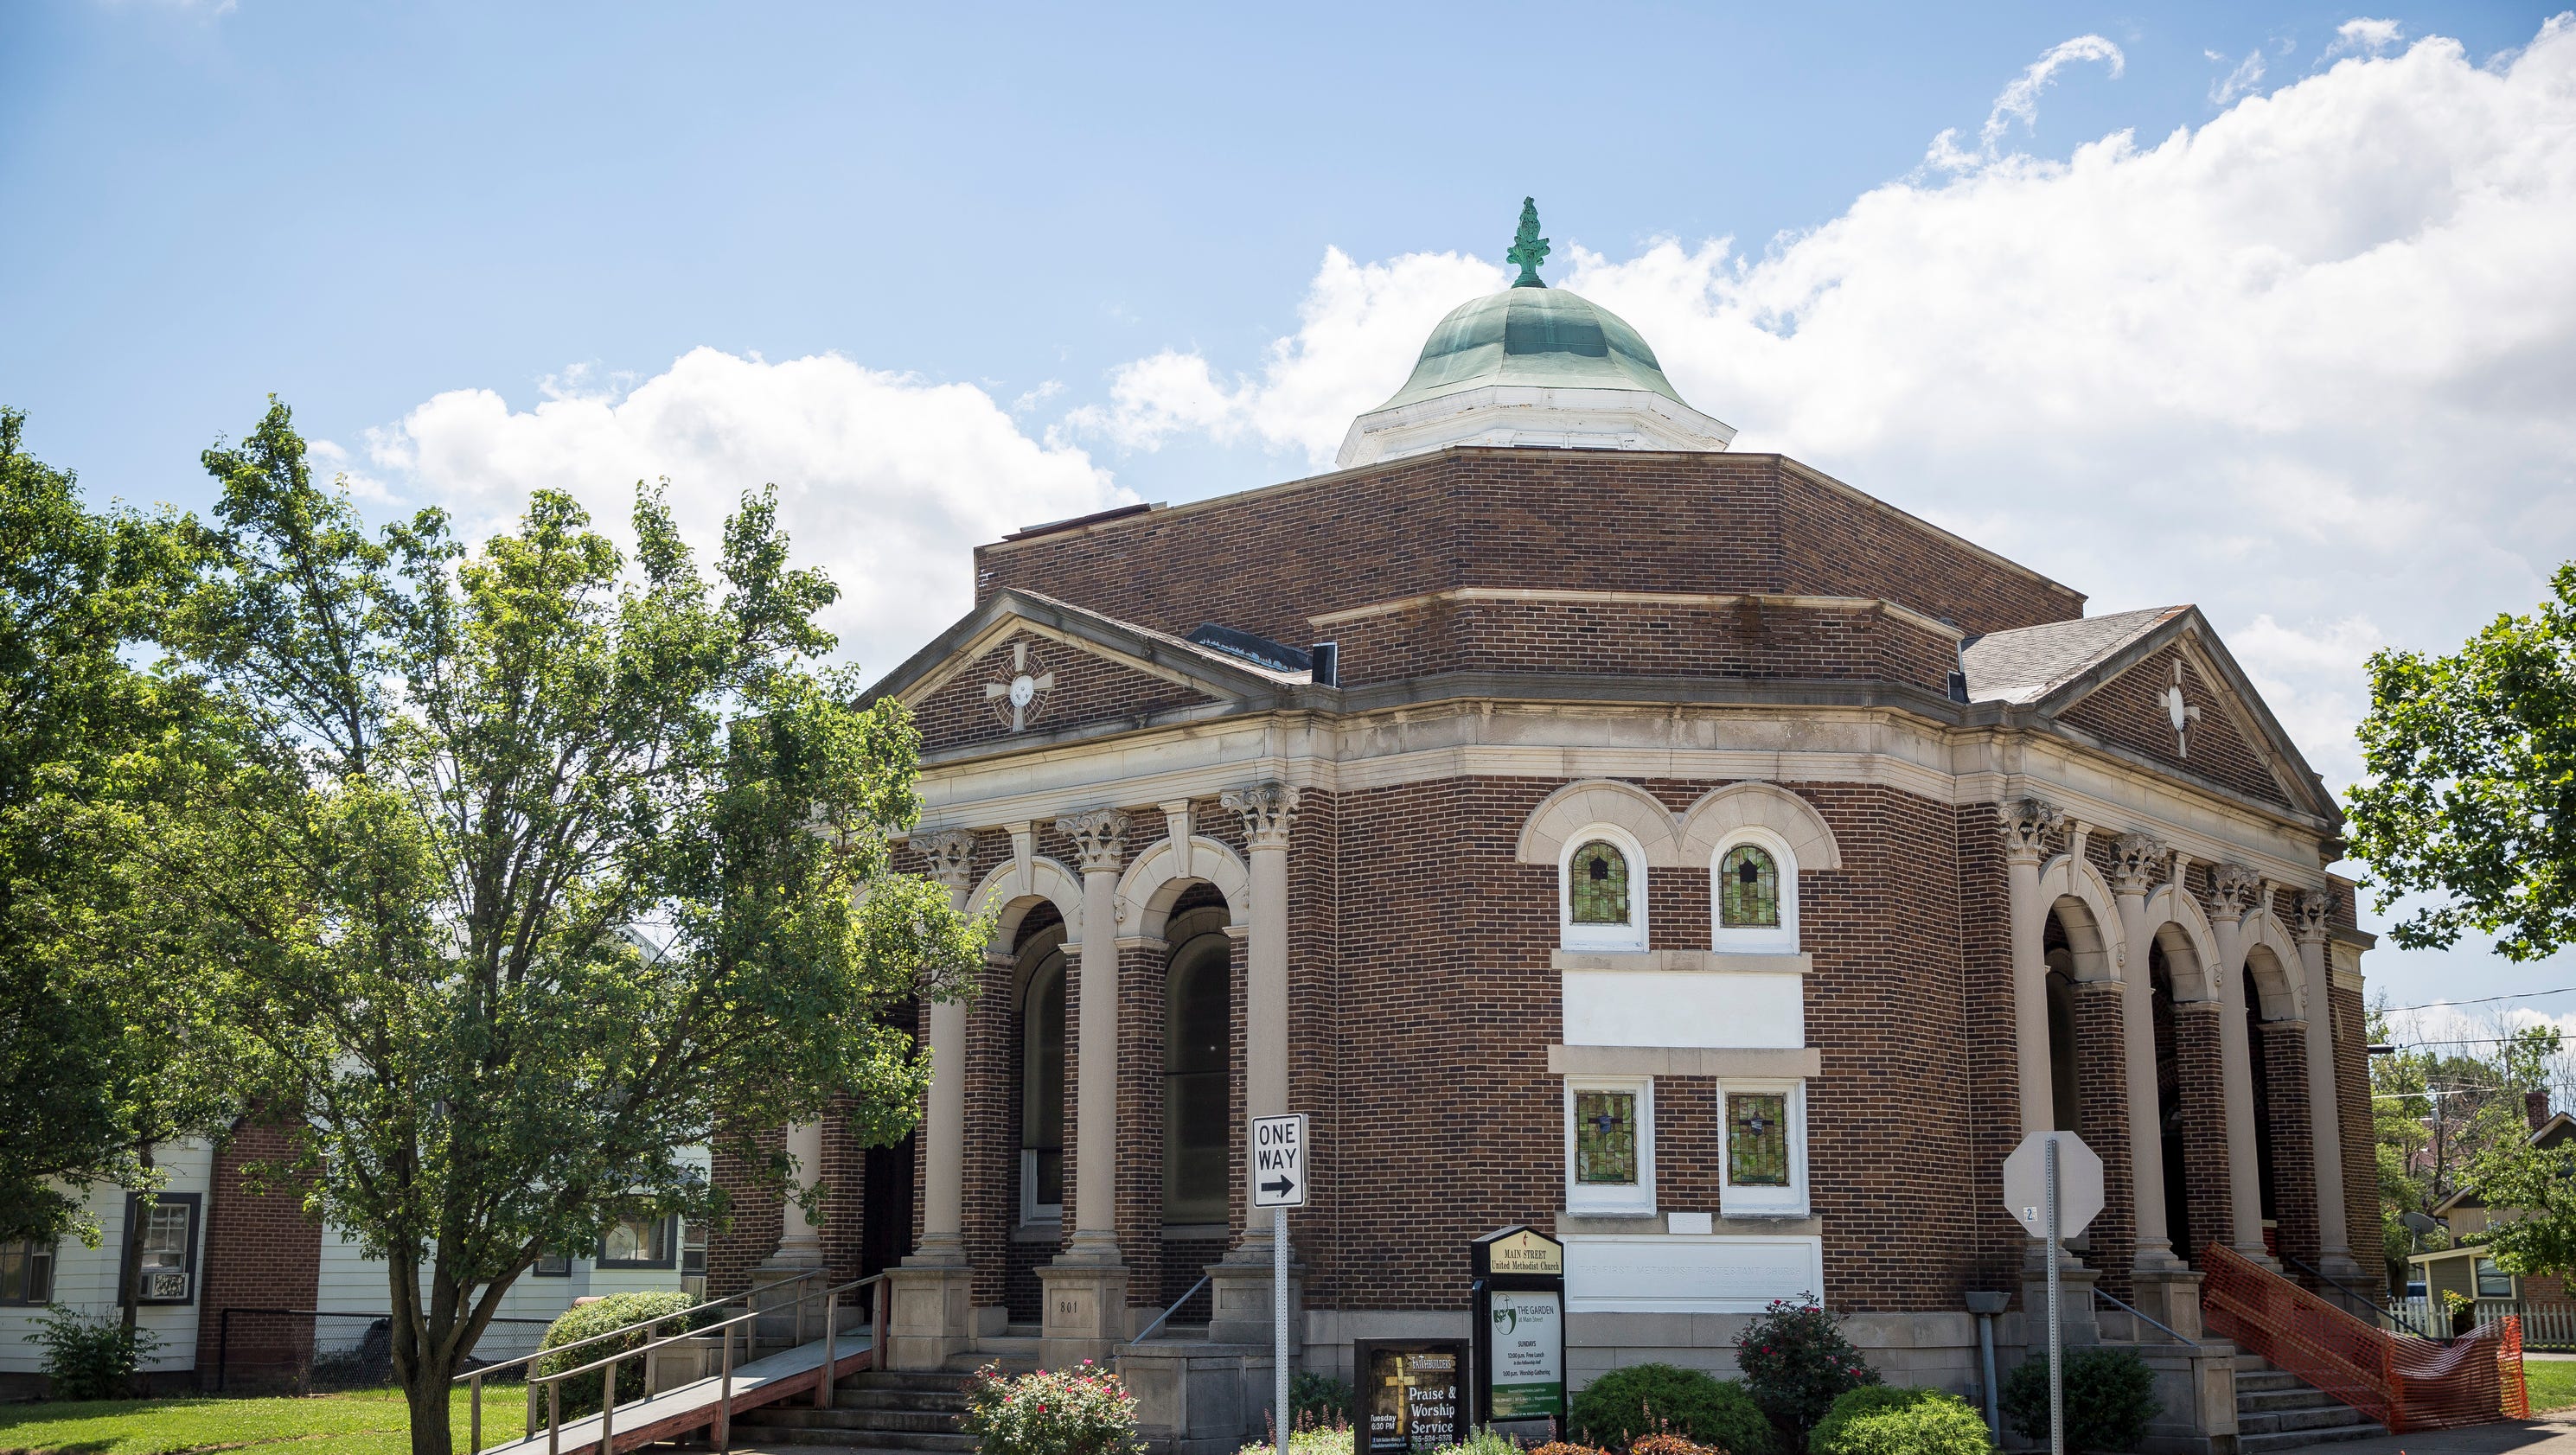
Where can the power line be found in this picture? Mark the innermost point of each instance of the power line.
(2480, 1000)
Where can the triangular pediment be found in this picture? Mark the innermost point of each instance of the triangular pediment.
(2167, 691)
(1024, 666)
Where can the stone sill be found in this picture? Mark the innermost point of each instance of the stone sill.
(1682, 962)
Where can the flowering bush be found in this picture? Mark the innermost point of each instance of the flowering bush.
(1671, 1445)
(1797, 1363)
(1565, 1447)
(1080, 1411)
(1310, 1440)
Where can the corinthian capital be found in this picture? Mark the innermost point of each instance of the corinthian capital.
(2313, 905)
(2134, 861)
(951, 853)
(1101, 834)
(2233, 888)
(2027, 823)
(1267, 809)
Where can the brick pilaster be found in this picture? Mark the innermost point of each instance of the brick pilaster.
(2102, 1102)
(2283, 1046)
(2202, 1078)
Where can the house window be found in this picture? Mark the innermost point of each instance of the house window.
(2493, 1282)
(551, 1264)
(637, 1243)
(1764, 1128)
(693, 1258)
(26, 1272)
(1610, 1146)
(167, 1227)
(1602, 886)
(1754, 881)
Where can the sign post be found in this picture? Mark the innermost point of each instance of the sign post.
(1278, 1165)
(1517, 1292)
(2053, 1188)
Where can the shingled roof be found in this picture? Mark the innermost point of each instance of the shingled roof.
(2028, 663)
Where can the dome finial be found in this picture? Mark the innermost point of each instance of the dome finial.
(1528, 248)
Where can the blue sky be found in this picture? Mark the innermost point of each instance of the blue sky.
(2309, 365)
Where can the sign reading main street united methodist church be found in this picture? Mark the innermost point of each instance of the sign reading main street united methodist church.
(1518, 1297)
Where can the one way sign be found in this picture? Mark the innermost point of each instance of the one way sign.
(1278, 1161)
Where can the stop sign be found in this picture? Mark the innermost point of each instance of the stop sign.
(2079, 1184)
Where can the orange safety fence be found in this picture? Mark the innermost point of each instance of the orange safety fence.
(2404, 1382)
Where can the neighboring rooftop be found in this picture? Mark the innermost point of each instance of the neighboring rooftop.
(2027, 663)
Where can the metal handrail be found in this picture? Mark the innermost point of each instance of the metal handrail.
(1167, 1313)
(625, 1329)
(2143, 1317)
(723, 1418)
(2376, 1306)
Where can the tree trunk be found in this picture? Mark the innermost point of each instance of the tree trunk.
(423, 1359)
(129, 1268)
(427, 1395)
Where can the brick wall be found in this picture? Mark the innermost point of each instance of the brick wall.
(2283, 1045)
(2129, 711)
(257, 1250)
(2102, 1101)
(1478, 517)
(2198, 1067)
(1744, 639)
(2360, 1138)
(1087, 689)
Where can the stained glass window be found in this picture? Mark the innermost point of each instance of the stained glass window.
(1748, 895)
(1605, 1138)
(1757, 1139)
(1598, 887)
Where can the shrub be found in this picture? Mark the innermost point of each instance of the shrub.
(1080, 1411)
(1319, 1401)
(581, 1392)
(1796, 1363)
(1333, 1441)
(2110, 1396)
(1482, 1441)
(1565, 1447)
(1670, 1445)
(1652, 1399)
(1879, 1420)
(91, 1358)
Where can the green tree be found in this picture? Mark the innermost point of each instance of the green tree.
(2439, 1111)
(99, 1060)
(2472, 791)
(545, 866)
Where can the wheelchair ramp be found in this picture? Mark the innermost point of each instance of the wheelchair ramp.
(693, 1406)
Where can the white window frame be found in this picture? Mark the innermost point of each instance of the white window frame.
(1630, 936)
(1781, 941)
(1032, 1210)
(1593, 1197)
(1764, 1202)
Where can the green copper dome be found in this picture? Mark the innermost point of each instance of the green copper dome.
(1536, 337)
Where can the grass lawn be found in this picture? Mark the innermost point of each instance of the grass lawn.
(368, 1422)
(2552, 1383)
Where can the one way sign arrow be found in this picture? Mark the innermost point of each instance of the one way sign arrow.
(1277, 1161)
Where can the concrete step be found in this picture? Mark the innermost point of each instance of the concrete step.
(2269, 1379)
(843, 1427)
(846, 1417)
(929, 1383)
(2303, 1397)
(804, 1440)
(2294, 1439)
(2332, 1417)
(850, 1394)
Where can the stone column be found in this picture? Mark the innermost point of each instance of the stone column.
(1086, 1286)
(2135, 861)
(2026, 825)
(1240, 1285)
(2325, 1108)
(930, 1316)
(2233, 888)
(780, 1278)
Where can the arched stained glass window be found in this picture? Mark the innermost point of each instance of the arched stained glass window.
(1597, 888)
(1042, 1089)
(1748, 896)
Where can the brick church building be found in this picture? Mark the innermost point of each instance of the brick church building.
(1591, 827)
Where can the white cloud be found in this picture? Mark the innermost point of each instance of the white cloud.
(2020, 100)
(2238, 82)
(883, 479)
(2311, 365)
(2364, 36)
(1360, 330)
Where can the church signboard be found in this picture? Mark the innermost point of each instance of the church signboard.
(1410, 1394)
(1517, 1290)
